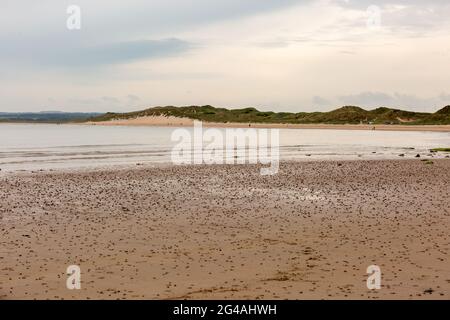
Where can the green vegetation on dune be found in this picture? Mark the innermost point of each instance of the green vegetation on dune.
(440, 150)
(344, 115)
(445, 111)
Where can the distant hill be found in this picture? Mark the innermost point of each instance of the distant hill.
(343, 115)
(46, 116)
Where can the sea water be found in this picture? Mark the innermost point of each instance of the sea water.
(52, 146)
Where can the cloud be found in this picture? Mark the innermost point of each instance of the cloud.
(274, 53)
(112, 31)
(111, 100)
(320, 102)
(83, 101)
(116, 20)
(133, 98)
(363, 4)
(445, 97)
(396, 100)
(368, 99)
(100, 54)
(122, 52)
(416, 17)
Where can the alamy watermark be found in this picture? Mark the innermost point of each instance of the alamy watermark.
(373, 17)
(229, 146)
(374, 279)
(74, 279)
(74, 20)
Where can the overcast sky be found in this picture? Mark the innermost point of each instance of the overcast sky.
(282, 55)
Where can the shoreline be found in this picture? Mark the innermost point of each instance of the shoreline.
(141, 165)
(186, 122)
(225, 232)
(167, 165)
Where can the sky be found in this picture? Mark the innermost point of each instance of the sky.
(280, 55)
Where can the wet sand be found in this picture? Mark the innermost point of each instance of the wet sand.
(213, 232)
(185, 122)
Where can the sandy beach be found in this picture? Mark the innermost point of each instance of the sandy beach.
(185, 122)
(225, 232)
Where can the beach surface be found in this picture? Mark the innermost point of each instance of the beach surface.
(226, 232)
(186, 122)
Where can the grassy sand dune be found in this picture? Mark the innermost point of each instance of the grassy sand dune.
(344, 115)
(169, 121)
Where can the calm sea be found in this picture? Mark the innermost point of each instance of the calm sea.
(47, 146)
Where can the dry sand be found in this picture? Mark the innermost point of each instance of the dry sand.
(147, 121)
(226, 232)
(185, 122)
